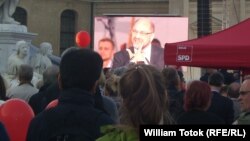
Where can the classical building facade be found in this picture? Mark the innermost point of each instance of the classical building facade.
(57, 21)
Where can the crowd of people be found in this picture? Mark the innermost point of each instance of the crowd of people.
(107, 96)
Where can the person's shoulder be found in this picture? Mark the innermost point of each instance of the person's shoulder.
(118, 133)
(12, 57)
(123, 51)
(229, 101)
(36, 97)
(246, 115)
(158, 48)
(39, 119)
(226, 99)
(244, 118)
(103, 119)
(108, 100)
(159, 51)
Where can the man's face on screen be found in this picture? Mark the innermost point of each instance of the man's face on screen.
(142, 33)
(106, 50)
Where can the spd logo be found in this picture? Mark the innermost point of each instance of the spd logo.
(184, 53)
(183, 58)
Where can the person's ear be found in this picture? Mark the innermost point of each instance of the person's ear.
(59, 79)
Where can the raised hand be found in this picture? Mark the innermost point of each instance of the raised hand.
(137, 57)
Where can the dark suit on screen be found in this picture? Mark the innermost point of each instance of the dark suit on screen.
(121, 58)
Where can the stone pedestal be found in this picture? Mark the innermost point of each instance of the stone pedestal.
(9, 35)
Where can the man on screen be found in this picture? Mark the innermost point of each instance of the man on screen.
(141, 51)
(106, 49)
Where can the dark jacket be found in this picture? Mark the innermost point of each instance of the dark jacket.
(199, 117)
(3, 133)
(75, 108)
(121, 58)
(222, 107)
(46, 94)
(175, 102)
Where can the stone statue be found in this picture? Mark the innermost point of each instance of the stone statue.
(18, 58)
(15, 61)
(7, 9)
(40, 62)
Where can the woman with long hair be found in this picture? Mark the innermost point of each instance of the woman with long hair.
(144, 101)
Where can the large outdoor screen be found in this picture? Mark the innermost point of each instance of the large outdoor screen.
(167, 29)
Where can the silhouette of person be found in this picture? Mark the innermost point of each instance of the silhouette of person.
(77, 80)
(156, 42)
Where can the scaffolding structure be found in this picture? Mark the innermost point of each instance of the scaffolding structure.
(225, 15)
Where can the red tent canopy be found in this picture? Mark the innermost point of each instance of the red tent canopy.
(228, 49)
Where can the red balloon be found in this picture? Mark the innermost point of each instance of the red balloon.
(82, 39)
(16, 114)
(52, 104)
